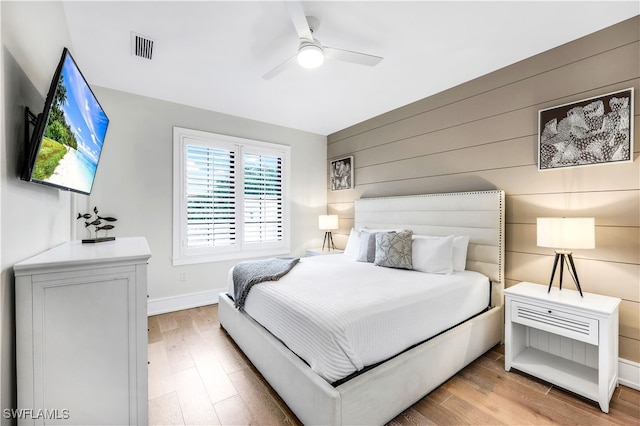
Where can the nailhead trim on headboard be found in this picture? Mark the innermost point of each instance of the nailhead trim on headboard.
(380, 212)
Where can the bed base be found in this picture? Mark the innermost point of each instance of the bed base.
(374, 397)
(381, 393)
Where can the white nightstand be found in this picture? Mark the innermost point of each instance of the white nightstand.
(564, 339)
(321, 252)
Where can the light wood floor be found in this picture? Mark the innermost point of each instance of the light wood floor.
(197, 376)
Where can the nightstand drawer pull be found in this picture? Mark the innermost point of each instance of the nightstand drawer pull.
(558, 322)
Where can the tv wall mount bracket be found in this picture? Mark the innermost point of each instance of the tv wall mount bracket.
(29, 119)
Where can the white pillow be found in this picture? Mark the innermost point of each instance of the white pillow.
(460, 245)
(352, 248)
(432, 254)
(367, 249)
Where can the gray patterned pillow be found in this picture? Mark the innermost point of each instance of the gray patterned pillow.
(393, 250)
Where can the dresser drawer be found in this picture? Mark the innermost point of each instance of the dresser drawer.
(555, 321)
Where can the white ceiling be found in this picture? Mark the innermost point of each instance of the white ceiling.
(213, 54)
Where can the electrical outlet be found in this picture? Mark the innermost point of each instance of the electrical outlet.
(183, 276)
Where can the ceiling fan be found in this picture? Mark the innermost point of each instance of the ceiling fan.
(311, 53)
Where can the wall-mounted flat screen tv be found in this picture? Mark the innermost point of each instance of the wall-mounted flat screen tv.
(69, 134)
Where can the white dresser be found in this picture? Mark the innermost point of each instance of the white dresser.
(564, 339)
(81, 334)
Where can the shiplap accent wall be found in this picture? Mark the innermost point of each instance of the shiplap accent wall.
(483, 134)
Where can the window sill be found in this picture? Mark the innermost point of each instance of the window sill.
(221, 257)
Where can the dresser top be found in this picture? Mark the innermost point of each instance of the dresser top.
(75, 253)
(565, 297)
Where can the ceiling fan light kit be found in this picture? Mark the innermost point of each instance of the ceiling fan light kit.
(310, 55)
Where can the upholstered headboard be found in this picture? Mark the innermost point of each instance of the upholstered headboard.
(477, 214)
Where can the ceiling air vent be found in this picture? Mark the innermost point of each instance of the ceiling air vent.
(141, 46)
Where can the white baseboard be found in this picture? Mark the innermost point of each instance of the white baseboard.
(629, 373)
(183, 301)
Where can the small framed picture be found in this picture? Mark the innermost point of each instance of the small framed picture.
(596, 130)
(341, 173)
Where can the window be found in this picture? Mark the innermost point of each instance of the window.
(230, 197)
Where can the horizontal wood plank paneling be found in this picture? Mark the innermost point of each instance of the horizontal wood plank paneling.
(629, 348)
(629, 311)
(615, 244)
(610, 208)
(498, 128)
(493, 129)
(482, 135)
(491, 156)
(512, 179)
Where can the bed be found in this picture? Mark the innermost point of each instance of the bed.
(379, 390)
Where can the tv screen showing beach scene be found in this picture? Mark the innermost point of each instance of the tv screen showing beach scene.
(72, 139)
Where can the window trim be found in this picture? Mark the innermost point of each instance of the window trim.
(185, 256)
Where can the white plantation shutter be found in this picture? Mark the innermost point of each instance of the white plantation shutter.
(230, 197)
(210, 193)
(263, 198)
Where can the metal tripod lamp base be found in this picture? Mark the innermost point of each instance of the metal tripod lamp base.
(565, 257)
(328, 241)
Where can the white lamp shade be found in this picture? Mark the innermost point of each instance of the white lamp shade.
(566, 232)
(328, 222)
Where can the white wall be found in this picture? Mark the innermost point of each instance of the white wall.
(3, 333)
(33, 218)
(134, 184)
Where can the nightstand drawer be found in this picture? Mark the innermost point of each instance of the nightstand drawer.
(555, 321)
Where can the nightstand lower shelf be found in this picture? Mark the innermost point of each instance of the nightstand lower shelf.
(564, 373)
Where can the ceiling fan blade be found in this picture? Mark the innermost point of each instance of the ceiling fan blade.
(289, 63)
(299, 19)
(349, 56)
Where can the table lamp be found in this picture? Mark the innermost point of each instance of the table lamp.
(328, 222)
(564, 234)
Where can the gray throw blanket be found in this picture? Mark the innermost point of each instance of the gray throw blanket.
(247, 274)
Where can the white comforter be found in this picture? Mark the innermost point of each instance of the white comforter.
(340, 315)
